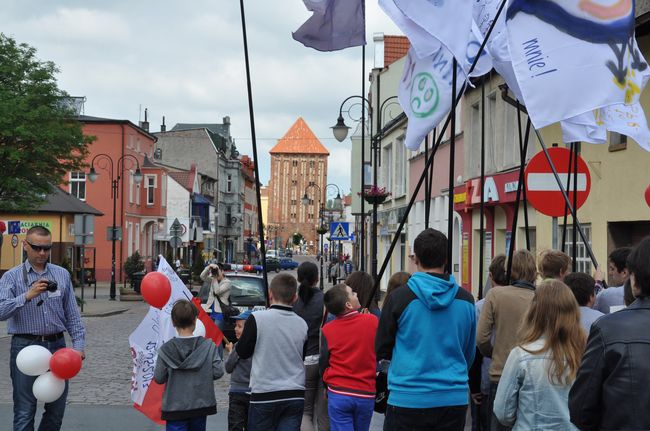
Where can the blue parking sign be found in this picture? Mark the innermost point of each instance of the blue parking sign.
(13, 227)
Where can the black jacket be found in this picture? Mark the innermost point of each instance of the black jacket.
(612, 389)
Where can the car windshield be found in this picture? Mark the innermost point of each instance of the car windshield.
(247, 290)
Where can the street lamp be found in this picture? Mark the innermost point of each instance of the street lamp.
(340, 131)
(115, 180)
(321, 213)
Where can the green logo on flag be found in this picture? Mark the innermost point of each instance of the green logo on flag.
(424, 95)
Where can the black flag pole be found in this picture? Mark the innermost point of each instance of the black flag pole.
(576, 150)
(568, 187)
(522, 157)
(452, 160)
(429, 162)
(482, 208)
(427, 188)
(362, 236)
(251, 112)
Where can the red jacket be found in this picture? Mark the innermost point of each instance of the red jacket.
(347, 356)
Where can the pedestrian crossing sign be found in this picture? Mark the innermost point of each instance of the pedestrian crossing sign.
(339, 231)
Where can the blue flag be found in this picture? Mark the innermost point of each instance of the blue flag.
(335, 24)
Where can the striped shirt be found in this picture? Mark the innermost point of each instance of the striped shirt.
(57, 313)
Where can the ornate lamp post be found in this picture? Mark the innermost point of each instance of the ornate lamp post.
(340, 131)
(115, 180)
(321, 213)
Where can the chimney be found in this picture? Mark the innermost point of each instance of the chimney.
(145, 124)
(226, 123)
(163, 128)
(378, 39)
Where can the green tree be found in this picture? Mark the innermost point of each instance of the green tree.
(40, 139)
(297, 237)
(133, 264)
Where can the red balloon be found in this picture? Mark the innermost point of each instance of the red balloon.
(647, 195)
(65, 363)
(156, 289)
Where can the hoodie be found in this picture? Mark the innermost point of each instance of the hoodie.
(188, 365)
(427, 330)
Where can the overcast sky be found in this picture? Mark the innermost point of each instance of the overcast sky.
(185, 60)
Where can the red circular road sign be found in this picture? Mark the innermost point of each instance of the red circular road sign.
(542, 189)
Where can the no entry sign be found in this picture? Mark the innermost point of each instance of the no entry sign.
(542, 189)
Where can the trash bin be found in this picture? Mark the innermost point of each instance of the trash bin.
(136, 280)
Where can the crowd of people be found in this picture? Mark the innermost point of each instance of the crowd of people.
(545, 348)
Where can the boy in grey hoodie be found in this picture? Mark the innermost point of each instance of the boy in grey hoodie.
(239, 395)
(187, 364)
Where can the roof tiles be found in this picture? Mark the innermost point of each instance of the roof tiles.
(299, 139)
(395, 47)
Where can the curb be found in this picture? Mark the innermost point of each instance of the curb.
(106, 313)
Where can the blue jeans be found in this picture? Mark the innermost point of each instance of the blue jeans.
(276, 416)
(349, 413)
(194, 424)
(24, 400)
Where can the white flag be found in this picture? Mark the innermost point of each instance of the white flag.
(484, 63)
(446, 21)
(584, 128)
(425, 92)
(628, 120)
(573, 56)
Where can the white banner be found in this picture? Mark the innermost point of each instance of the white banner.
(151, 333)
(425, 92)
(572, 56)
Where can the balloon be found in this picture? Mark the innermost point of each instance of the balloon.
(33, 360)
(48, 388)
(65, 363)
(647, 195)
(199, 330)
(156, 289)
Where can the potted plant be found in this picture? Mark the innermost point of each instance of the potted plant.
(375, 195)
(133, 267)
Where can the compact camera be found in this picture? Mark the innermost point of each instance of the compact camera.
(52, 286)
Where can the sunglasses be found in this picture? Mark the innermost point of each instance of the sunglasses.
(38, 248)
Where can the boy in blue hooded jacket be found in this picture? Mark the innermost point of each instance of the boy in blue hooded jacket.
(427, 330)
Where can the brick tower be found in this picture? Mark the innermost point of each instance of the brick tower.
(297, 160)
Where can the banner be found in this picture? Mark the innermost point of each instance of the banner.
(425, 92)
(335, 24)
(155, 329)
(572, 57)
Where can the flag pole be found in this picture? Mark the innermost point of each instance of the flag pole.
(568, 187)
(362, 236)
(452, 159)
(576, 149)
(482, 208)
(429, 162)
(251, 112)
(522, 157)
(427, 189)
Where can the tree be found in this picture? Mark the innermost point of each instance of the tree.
(297, 237)
(40, 139)
(133, 264)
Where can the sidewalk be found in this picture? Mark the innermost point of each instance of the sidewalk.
(101, 306)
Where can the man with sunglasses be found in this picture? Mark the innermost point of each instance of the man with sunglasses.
(38, 312)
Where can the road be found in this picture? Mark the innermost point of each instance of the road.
(99, 395)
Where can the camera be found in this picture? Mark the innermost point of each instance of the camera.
(52, 286)
(214, 271)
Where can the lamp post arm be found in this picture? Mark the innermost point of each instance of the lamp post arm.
(369, 107)
(107, 158)
(120, 163)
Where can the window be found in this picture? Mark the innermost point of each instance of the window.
(294, 163)
(387, 164)
(400, 167)
(78, 185)
(131, 184)
(151, 188)
(229, 183)
(228, 217)
(311, 164)
(617, 142)
(163, 193)
(583, 261)
(294, 182)
(294, 202)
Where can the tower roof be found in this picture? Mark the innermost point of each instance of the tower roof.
(299, 139)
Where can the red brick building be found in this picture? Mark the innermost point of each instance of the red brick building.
(297, 160)
(249, 220)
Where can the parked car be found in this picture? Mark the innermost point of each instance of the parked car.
(247, 293)
(288, 263)
(184, 274)
(272, 264)
(271, 253)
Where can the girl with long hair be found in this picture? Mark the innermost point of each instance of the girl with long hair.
(362, 284)
(534, 387)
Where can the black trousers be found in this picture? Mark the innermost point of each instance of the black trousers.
(238, 411)
(437, 418)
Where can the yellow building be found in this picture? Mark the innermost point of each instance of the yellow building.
(56, 214)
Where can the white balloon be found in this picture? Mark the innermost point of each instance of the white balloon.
(200, 329)
(33, 360)
(48, 387)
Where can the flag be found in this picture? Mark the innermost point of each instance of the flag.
(335, 24)
(573, 57)
(584, 128)
(427, 23)
(155, 329)
(484, 63)
(425, 92)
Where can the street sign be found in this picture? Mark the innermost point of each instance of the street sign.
(14, 227)
(176, 229)
(84, 229)
(339, 231)
(543, 191)
(109, 233)
(175, 242)
(14, 240)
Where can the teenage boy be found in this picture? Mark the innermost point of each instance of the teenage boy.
(239, 394)
(348, 362)
(187, 364)
(582, 286)
(427, 329)
(276, 339)
(613, 298)
(554, 264)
